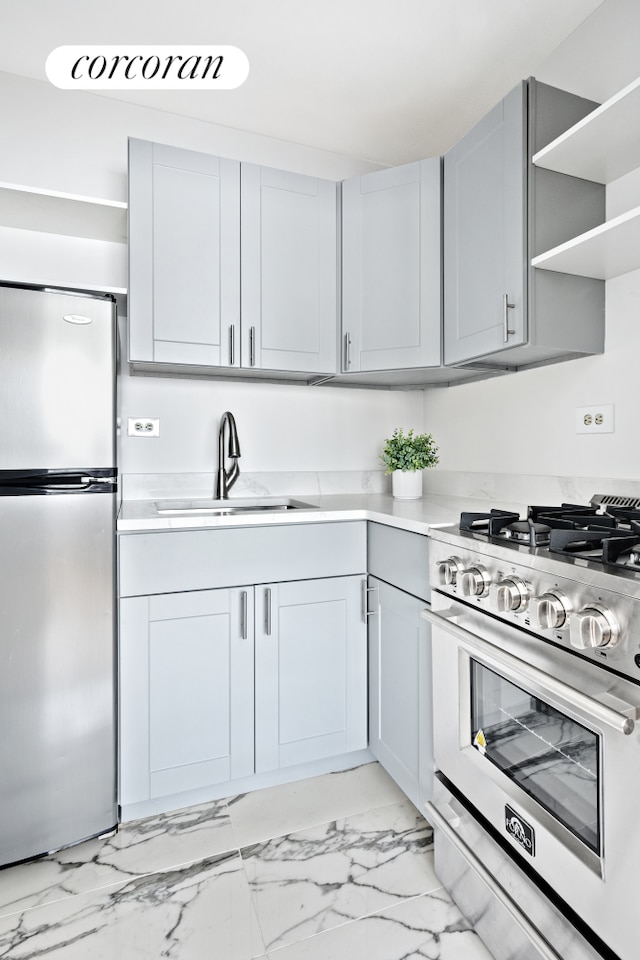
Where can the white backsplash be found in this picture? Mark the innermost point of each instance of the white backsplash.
(152, 486)
(520, 488)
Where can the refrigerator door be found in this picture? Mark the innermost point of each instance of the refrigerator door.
(57, 370)
(57, 671)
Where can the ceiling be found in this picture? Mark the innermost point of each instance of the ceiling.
(379, 80)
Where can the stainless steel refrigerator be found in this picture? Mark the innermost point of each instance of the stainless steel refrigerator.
(58, 482)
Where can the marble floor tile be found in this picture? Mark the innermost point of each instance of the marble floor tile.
(316, 879)
(195, 912)
(289, 807)
(428, 927)
(138, 848)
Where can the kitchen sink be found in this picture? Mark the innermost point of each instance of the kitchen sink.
(223, 508)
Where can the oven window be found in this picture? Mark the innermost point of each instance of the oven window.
(553, 758)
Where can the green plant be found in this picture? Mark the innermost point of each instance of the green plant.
(410, 451)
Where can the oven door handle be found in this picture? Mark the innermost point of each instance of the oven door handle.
(622, 719)
(542, 946)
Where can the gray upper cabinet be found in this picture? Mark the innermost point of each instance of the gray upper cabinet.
(289, 270)
(391, 268)
(499, 212)
(232, 267)
(184, 256)
(484, 239)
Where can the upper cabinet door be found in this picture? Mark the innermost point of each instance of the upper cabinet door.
(484, 234)
(391, 280)
(289, 271)
(184, 256)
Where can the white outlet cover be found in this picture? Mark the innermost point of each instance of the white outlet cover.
(595, 412)
(143, 427)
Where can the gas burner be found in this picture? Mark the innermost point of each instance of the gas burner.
(602, 532)
(528, 531)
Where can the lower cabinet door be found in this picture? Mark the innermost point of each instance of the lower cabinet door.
(311, 671)
(186, 691)
(400, 688)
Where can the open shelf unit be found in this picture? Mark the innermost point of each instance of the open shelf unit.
(61, 239)
(603, 146)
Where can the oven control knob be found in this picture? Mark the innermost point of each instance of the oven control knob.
(449, 570)
(475, 581)
(593, 626)
(510, 594)
(550, 610)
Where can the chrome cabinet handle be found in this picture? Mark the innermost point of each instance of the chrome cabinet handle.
(544, 949)
(243, 614)
(252, 346)
(366, 613)
(347, 351)
(232, 345)
(267, 611)
(621, 720)
(506, 306)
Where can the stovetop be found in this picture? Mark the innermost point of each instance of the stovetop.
(568, 574)
(606, 531)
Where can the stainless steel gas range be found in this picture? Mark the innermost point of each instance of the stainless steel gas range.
(536, 665)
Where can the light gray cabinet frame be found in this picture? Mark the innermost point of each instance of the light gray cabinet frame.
(391, 268)
(499, 212)
(184, 256)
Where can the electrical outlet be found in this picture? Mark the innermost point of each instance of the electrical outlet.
(598, 419)
(143, 427)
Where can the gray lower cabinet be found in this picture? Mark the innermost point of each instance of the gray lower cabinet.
(400, 694)
(400, 682)
(499, 212)
(186, 691)
(217, 685)
(391, 268)
(242, 651)
(232, 267)
(311, 671)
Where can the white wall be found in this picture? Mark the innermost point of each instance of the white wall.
(524, 423)
(76, 142)
(281, 427)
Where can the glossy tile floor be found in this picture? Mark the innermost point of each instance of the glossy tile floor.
(332, 868)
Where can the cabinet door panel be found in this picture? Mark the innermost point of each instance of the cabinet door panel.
(400, 683)
(310, 671)
(484, 233)
(186, 692)
(391, 225)
(184, 269)
(289, 271)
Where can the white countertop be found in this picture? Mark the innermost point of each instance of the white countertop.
(418, 516)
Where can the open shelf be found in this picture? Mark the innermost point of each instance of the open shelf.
(604, 145)
(607, 251)
(50, 211)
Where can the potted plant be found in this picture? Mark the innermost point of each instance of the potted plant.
(405, 456)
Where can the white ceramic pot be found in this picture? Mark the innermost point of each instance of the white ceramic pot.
(406, 485)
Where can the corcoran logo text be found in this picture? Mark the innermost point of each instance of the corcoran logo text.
(147, 67)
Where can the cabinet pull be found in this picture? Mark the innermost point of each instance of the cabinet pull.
(243, 614)
(252, 346)
(267, 612)
(506, 306)
(347, 351)
(366, 613)
(232, 345)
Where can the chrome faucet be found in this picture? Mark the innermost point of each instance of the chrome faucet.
(226, 478)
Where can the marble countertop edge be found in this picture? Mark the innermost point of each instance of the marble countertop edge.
(417, 516)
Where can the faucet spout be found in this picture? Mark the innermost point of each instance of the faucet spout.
(225, 479)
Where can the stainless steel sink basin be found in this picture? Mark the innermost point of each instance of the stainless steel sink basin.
(221, 508)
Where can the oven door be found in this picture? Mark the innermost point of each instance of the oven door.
(543, 744)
